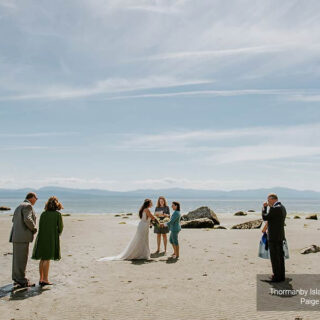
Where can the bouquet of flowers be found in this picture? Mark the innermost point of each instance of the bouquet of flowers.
(155, 223)
(165, 220)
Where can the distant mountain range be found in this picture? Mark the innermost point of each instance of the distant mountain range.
(178, 193)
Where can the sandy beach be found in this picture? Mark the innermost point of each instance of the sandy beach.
(215, 278)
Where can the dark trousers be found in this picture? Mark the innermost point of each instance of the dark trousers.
(19, 262)
(277, 259)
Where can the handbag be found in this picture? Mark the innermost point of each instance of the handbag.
(285, 249)
(264, 251)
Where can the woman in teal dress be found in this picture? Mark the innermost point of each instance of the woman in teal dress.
(47, 245)
(175, 228)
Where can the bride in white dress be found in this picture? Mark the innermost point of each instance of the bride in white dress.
(138, 248)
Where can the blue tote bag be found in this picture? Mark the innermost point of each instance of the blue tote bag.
(264, 251)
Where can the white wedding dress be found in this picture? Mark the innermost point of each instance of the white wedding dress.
(138, 247)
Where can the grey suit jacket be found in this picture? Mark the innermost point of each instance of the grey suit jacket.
(24, 223)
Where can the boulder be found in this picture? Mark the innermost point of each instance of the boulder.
(296, 217)
(197, 223)
(254, 224)
(240, 213)
(312, 217)
(200, 213)
(251, 210)
(5, 208)
(311, 249)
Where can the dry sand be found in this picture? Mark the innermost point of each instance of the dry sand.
(215, 278)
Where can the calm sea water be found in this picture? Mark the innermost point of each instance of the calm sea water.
(124, 205)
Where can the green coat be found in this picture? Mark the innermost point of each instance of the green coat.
(47, 245)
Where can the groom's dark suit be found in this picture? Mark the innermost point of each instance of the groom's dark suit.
(276, 217)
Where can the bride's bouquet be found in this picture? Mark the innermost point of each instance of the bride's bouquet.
(155, 223)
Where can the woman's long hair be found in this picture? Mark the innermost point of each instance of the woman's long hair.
(145, 205)
(53, 204)
(177, 204)
(165, 202)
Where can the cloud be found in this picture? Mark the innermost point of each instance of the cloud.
(304, 98)
(156, 9)
(233, 145)
(148, 6)
(21, 148)
(297, 133)
(226, 52)
(10, 4)
(109, 86)
(37, 134)
(262, 153)
(125, 43)
(211, 93)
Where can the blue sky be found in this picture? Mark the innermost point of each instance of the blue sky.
(123, 95)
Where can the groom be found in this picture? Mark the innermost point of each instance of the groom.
(275, 216)
(22, 233)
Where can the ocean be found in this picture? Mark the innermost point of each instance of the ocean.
(108, 205)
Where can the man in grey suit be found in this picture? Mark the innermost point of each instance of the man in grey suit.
(22, 233)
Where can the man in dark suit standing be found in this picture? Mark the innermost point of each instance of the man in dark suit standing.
(275, 216)
(22, 233)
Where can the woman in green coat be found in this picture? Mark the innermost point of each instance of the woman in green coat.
(47, 245)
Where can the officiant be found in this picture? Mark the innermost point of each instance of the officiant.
(162, 212)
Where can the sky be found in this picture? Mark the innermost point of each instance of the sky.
(125, 95)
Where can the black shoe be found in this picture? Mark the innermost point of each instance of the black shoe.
(27, 285)
(42, 284)
(274, 279)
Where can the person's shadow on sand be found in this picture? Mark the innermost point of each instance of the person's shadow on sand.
(284, 285)
(157, 255)
(140, 262)
(15, 293)
(171, 260)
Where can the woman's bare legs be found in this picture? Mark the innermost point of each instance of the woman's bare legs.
(41, 270)
(176, 252)
(158, 241)
(165, 241)
(46, 265)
